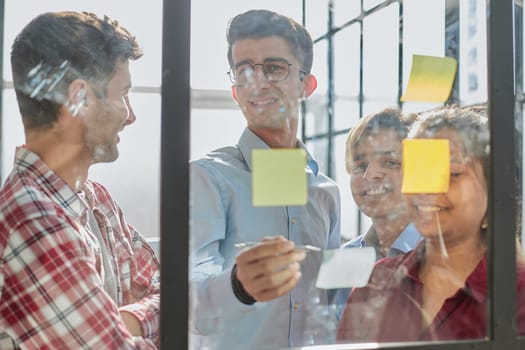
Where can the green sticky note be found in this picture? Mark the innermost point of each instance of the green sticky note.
(426, 166)
(279, 177)
(431, 79)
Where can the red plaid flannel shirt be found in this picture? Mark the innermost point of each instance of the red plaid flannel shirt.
(51, 290)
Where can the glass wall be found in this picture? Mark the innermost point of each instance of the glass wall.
(362, 58)
(134, 178)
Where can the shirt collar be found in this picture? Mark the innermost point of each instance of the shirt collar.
(407, 239)
(405, 242)
(55, 187)
(249, 141)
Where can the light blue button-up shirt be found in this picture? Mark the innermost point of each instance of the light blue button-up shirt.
(222, 214)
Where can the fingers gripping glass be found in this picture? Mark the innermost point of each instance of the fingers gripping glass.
(273, 71)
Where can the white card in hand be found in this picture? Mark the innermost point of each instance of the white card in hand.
(343, 268)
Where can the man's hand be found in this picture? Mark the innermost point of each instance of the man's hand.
(270, 269)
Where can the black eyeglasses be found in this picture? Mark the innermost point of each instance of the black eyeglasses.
(273, 71)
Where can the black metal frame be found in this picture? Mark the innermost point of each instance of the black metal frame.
(174, 193)
(502, 195)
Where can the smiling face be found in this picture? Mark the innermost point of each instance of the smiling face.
(265, 104)
(108, 116)
(461, 210)
(375, 174)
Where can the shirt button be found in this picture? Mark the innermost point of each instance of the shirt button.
(292, 221)
(296, 306)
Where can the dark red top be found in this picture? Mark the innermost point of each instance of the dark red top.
(389, 308)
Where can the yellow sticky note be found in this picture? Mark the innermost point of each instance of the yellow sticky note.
(279, 177)
(426, 166)
(431, 79)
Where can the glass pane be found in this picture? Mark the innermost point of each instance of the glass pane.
(320, 67)
(316, 118)
(317, 104)
(205, 124)
(222, 203)
(346, 62)
(439, 300)
(431, 16)
(381, 54)
(371, 107)
(145, 72)
(316, 18)
(141, 204)
(209, 72)
(368, 4)
(81, 232)
(473, 52)
(345, 11)
(349, 214)
(225, 302)
(12, 131)
(346, 113)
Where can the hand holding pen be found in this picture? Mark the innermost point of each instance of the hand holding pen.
(270, 268)
(306, 247)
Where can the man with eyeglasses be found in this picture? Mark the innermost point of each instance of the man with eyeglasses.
(263, 296)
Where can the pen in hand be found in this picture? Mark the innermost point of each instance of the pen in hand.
(307, 247)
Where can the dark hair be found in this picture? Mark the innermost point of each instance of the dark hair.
(257, 24)
(388, 118)
(56, 48)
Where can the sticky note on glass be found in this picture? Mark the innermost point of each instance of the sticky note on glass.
(431, 79)
(279, 177)
(346, 268)
(426, 166)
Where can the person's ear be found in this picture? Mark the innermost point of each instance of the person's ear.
(310, 84)
(234, 94)
(77, 96)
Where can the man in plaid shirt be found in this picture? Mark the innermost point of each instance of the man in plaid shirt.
(73, 273)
